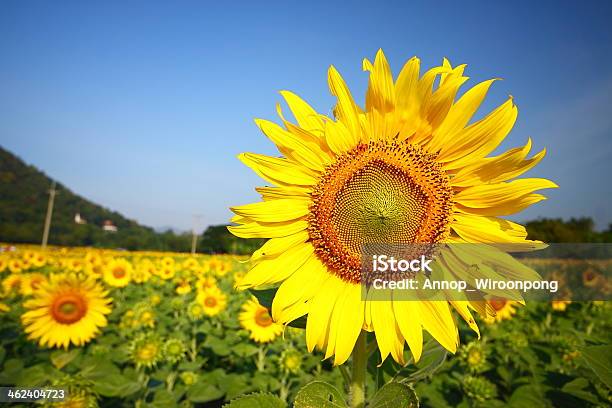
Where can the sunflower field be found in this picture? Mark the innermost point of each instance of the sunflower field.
(146, 329)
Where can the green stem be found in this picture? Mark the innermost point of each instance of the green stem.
(360, 359)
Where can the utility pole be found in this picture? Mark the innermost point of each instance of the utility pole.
(194, 234)
(52, 193)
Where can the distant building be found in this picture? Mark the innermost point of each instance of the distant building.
(79, 220)
(109, 226)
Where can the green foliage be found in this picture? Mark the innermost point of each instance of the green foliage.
(319, 394)
(256, 400)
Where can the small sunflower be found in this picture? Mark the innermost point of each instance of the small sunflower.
(16, 265)
(188, 377)
(183, 287)
(195, 311)
(118, 273)
(504, 310)
(146, 350)
(66, 309)
(213, 301)
(12, 284)
(257, 320)
(31, 282)
(560, 305)
(166, 272)
(3, 264)
(167, 262)
(411, 167)
(290, 361)
(174, 350)
(474, 356)
(206, 283)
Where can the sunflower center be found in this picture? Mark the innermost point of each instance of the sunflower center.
(210, 302)
(498, 304)
(262, 318)
(147, 352)
(118, 272)
(68, 308)
(379, 193)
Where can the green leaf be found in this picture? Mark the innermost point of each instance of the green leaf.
(528, 396)
(203, 392)
(33, 376)
(577, 388)
(244, 349)
(319, 394)
(218, 346)
(61, 358)
(395, 395)
(258, 400)
(163, 398)
(2, 354)
(115, 385)
(434, 355)
(599, 359)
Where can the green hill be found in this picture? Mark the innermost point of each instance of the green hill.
(23, 204)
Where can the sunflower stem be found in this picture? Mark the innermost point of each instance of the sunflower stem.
(358, 379)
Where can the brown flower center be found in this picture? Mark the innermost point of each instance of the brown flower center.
(210, 302)
(379, 193)
(68, 308)
(118, 272)
(262, 318)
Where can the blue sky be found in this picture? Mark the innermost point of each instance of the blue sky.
(143, 106)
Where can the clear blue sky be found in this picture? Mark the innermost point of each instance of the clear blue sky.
(143, 106)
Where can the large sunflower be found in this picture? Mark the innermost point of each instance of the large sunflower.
(408, 168)
(66, 309)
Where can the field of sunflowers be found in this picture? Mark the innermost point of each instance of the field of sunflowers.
(118, 328)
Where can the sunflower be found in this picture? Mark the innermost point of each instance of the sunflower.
(183, 287)
(504, 309)
(66, 309)
(560, 305)
(205, 283)
(3, 264)
(195, 311)
(257, 320)
(213, 301)
(31, 282)
(174, 350)
(16, 265)
(408, 168)
(118, 273)
(146, 350)
(166, 271)
(11, 284)
(290, 361)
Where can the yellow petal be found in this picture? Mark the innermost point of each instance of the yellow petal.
(459, 115)
(306, 117)
(291, 146)
(276, 246)
(490, 195)
(268, 229)
(278, 171)
(338, 138)
(480, 138)
(346, 109)
(281, 210)
(275, 270)
(408, 317)
(380, 95)
(438, 321)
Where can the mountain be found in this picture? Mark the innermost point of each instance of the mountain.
(24, 194)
